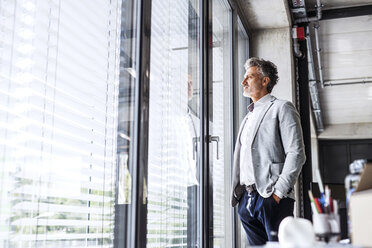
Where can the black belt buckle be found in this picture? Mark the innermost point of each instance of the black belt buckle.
(250, 188)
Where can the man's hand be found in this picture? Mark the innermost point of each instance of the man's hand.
(276, 198)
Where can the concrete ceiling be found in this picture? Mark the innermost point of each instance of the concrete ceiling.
(265, 14)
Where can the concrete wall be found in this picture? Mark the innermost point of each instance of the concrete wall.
(276, 45)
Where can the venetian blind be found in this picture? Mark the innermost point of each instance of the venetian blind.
(58, 114)
(171, 164)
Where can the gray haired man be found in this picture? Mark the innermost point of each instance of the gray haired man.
(269, 154)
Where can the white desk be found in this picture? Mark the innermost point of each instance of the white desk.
(318, 245)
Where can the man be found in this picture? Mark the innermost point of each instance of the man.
(268, 157)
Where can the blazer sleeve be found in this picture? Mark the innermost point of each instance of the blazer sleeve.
(293, 145)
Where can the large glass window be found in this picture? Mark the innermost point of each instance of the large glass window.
(242, 55)
(173, 181)
(58, 122)
(126, 120)
(220, 123)
(67, 111)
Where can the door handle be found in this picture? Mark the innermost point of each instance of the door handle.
(195, 141)
(217, 140)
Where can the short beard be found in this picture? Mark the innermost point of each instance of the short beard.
(246, 94)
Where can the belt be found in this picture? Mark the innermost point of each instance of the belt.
(250, 188)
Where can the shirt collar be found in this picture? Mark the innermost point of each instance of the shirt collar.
(260, 102)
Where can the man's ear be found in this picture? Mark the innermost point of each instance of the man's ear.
(266, 81)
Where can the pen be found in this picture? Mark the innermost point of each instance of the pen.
(327, 197)
(327, 194)
(313, 208)
(312, 203)
(320, 183)
(318, 205)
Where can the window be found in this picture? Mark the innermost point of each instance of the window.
(243, 55)
(241, 101)
(220, 123)
(173, 181)
(126, 123)
(58, 108)
(68, 123)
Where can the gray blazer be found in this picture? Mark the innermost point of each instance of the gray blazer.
(278, 151)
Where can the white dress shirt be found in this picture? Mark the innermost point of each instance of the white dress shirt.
(246, 165)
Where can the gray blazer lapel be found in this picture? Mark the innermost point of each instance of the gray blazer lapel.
(259, 120)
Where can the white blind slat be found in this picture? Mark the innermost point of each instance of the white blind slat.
(58, 119)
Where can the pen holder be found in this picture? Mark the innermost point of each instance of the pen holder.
(326, 226)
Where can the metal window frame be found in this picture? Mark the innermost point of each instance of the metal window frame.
(136, 226)
(205, 81)
(236, 17)
(136, 229)
(234, 105)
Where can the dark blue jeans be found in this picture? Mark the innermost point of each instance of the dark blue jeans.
(262, 216)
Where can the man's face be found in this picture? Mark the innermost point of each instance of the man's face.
(254, 85)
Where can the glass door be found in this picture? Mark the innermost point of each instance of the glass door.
(220, 123)
(174, 123)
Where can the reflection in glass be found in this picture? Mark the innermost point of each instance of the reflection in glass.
(126, 104)
(242, 54)
(220, 123)
(173, 180)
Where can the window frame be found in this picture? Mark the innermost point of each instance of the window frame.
(135, 228)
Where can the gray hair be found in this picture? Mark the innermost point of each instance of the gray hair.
(265, 68)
